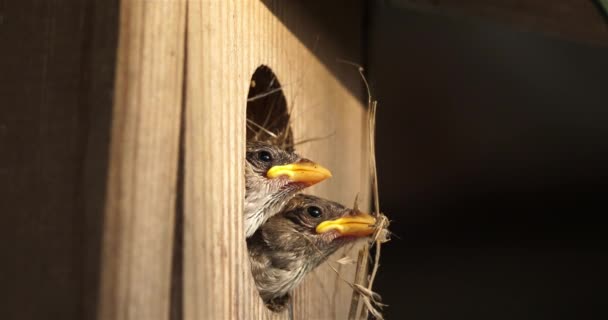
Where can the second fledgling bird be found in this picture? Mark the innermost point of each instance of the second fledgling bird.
(298, 239)
(272, 177)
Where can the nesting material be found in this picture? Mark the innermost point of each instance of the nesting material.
(274, 127)
(362, 288)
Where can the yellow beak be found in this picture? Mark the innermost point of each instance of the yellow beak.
(359, 225)
(304, 171)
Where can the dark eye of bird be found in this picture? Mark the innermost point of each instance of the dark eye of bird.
(314, 212)
(265, 156)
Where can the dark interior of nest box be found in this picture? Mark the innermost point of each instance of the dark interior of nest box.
(267, 112)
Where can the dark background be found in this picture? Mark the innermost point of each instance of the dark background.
(492, 152)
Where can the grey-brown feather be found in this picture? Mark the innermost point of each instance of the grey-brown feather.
(286, 247)
(265, 197)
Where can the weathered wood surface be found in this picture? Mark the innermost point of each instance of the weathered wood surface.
(581, 21)
(227, 41)
(138, 226)
(56, 80)
(79, 122)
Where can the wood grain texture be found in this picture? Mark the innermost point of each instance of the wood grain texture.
(580, 21)
(56, 82)
(138, 231)
(226, 42)
(60, 79)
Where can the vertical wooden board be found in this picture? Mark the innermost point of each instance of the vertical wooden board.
(42, 137)
(102, 41)
(226, 42)
(138, 231)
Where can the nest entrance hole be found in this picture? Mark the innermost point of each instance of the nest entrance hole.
(267, 113)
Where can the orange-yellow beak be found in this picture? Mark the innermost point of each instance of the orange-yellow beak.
(359, 225)
(304, 171)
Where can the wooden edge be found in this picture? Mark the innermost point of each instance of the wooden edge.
(139, 213)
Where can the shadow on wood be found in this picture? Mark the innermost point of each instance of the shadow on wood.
(57, 83)
(267, 111)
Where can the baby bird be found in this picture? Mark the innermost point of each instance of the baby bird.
(272, 177)
(297, 240)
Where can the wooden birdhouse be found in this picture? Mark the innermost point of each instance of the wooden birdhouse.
(122, 139)
(184, 71)
(142, 128)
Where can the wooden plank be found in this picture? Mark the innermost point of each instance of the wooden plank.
(98, 79)
(227, 41)
(40, 143)
(581, 21)
(56, 73)
(138, 234)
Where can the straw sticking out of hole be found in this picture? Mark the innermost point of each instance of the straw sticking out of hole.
(268, 132)
(364, 293)
(345, 260)
(265, 94)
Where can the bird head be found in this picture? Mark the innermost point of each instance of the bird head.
(299, 238)
(316, 227)
(276, 167)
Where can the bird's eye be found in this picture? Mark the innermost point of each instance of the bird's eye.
(314, 212)
(265, 156)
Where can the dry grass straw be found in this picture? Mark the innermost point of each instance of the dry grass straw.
(362, 288)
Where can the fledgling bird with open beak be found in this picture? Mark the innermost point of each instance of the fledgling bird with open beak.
(272, 177)
(298, 239)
